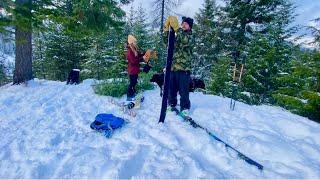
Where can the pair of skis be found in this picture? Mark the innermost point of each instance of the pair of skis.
(170, 50)
(238, 69)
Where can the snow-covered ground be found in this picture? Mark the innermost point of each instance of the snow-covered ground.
(45, 133)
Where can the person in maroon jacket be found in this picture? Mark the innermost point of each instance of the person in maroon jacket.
(134, 57)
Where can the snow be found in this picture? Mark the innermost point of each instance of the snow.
(45, 133)
(305, 41)
(246, 93)
(283, 73)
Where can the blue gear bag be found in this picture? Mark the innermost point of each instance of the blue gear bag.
(106, 122)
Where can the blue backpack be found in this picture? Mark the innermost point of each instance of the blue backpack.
(107, 123)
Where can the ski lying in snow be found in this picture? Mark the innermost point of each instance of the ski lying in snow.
(123, 107)
(135, 103)
(196, 125)
(130, 106)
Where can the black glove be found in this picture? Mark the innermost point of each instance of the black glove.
(146, 68)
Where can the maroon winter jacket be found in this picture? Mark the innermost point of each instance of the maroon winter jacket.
(134, 62)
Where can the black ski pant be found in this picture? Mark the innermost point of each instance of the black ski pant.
(179, 82)
(132, 85)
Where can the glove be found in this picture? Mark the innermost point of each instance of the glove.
(147, 68)
(147, 56)
(150, 54)
(173, 22)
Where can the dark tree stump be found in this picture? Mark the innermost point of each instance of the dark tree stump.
(73, 77)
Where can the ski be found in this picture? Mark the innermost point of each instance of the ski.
(239, 154)
(171, 39)
(130, 106)
(186, 118)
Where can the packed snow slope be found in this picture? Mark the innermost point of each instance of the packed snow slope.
(45, 133)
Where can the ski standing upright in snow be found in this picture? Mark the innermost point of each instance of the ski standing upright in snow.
(171, 39)
(238, 68)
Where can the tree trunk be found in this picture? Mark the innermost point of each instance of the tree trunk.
(162, 16)
(23, 38)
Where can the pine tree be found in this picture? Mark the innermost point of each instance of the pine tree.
(4, 52)
(23, 15)
(316, 32)
(63, 52)
(97, 16)
(82, 35)
(220, 78)
(119, 67)
(128, 29)
(3, 76)
(39, 55)
(141, 29)
(257, 29)
(300, 87)
(269, 54)
(158, 45)
(82, 18)
(208, 45)
(102, 55)
(146, 39)
(243, 18)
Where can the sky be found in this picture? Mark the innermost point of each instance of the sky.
(306, 11)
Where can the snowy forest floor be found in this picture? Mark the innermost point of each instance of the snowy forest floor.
(45, 133)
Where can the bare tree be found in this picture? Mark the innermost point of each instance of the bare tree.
(162, 9)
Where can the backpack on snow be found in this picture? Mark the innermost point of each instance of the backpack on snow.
(107, 123)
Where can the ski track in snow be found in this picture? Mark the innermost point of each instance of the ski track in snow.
(45, 133)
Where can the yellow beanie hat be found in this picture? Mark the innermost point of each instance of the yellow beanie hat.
(132, 39)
